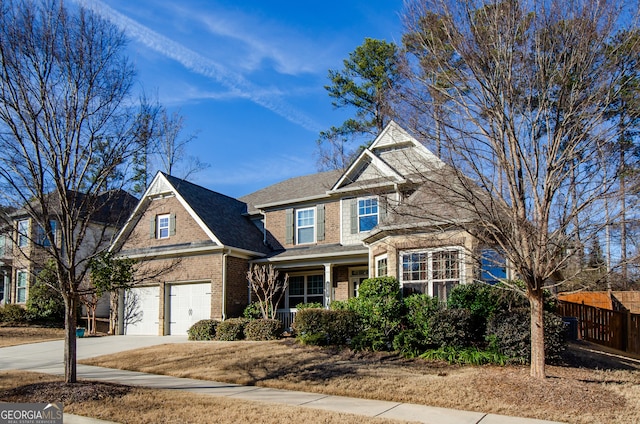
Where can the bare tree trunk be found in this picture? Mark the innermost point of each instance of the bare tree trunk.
(536, 302)
(70, 321)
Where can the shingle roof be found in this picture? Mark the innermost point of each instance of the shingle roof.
(293, 189)
(223, 215)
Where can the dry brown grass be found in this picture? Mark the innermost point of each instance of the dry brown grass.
(580, 393)
(13, 336)
(124, 404)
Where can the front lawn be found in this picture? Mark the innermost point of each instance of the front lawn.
(125, 404)
(589, 388)
(12, 336)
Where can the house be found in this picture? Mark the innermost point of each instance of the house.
(25, 245)
(327, 231)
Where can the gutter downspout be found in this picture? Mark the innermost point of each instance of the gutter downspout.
(224, 284)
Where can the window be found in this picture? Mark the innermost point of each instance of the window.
(493, 266)
(306, 289)
(305, 226)
(3, 246)
(23, 233)
(42, 238)
(21, 287)
(162, 226)
(367, 213)
(381, 266)
(435, 272)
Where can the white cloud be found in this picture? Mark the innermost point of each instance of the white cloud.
(197, 63)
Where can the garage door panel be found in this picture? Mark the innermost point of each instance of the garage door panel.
(188, 303)
(145, 303)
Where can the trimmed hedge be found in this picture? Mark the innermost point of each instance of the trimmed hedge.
(204, 329)
(231, 329)
(316, 326)
(263, 329)
(13, 313)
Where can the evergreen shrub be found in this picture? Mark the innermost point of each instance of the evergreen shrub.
(205, 329)
(231, 329)
(263, 329)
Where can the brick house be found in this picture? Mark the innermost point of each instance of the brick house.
(25, 247)
(328, 231)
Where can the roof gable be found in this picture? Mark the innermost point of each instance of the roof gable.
(392, 158)
(221, 217)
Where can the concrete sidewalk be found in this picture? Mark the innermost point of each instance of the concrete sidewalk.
(40, 357)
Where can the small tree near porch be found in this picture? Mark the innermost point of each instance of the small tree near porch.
(268, 288)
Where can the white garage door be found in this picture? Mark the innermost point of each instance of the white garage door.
(188, 303)
(142, 307)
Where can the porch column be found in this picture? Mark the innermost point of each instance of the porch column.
(328, 286)
(6, 288)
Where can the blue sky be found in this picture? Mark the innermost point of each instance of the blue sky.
(248, 76)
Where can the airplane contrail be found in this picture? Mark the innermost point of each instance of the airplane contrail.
(197, 63)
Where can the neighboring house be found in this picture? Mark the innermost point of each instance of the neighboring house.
(327, 231)
(25, 247)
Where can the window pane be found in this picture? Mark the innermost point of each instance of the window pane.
(305, 226)
(446, 265)
(414, 266)
(23, 233)
(296, 286)
(315, 284)
(163, 226)
(493, 266)
(305, 235)
(367, 214)
(381, 267)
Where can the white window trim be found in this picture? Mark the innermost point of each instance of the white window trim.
(429, 281)
(159, 228)
(377, 214)
(296, 227)
(23, 238)
(25, 287)
(377, 269)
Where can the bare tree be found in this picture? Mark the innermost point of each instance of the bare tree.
(66, 129)
(520, 110)
(268, 287)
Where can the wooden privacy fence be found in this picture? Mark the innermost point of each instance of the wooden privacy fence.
(618, 330)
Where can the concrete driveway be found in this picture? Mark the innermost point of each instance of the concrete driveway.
(49, 356)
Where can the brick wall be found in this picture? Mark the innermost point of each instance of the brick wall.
(187, 229)
(237, 288)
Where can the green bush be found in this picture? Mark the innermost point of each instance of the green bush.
(452, 328)
(380, 308)
(342, 326)
(309, 322)
(263, 329)
(204, 329)
(509, 333)
(231, 329)
(252, 311)
(419, 310)
(465, 356)
(45, 304)
(326, 327)
(370, 339)
(410, 343)
(13, 313)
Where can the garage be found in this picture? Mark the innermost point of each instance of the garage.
(142, 311)
(188, 303)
